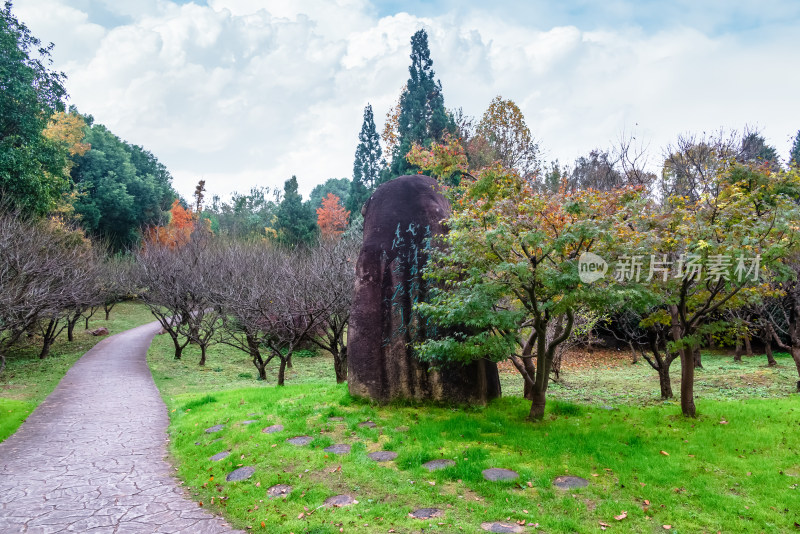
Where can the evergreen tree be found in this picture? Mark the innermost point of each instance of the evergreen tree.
(423, 118)
(367, 167)
(794, 155)
(296, 221)
(32, 166)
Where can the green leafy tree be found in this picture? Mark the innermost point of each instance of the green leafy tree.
(505, 282)
(296, 222)
(121, 188)
(32, 166)
(794, 155)
(337, 186)
(244, 215)
(422, 118)
(367, 166)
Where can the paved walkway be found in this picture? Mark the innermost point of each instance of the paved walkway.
(91, 457)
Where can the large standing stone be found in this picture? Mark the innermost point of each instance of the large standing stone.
(399, 219)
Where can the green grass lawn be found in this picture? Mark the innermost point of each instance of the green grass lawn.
(733, 469)
(27, 380)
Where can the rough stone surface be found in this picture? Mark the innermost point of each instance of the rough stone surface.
(102, 331)
(339, 500)
(367, 424)
(570, 482)
(249, 421)
(243, 473)
(335, 419)
(279, 490)
(502, 527)
(495, 473)
(90, 458)
(220, 456)
(272, 429)
(426, 513)
(215, 428)
(339, 448)
(382, 456)
(433, 465)
(398, 220)
(300, 440)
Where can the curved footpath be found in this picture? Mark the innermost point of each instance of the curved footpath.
(90, 458)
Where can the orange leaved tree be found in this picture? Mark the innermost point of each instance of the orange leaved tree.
(332, 217)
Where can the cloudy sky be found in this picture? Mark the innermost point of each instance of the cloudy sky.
(249, 92)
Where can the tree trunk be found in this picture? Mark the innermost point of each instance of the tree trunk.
(687, 367)
(282, 370)
(288, 362)
(748, 348)
(665, 382)
(737, 354)
(698, 358)
(537, 405)
(768, 351)
(340, 365)
(710, 341)
(71, 322)
(202, 354)
(178, 346)
(45, 348)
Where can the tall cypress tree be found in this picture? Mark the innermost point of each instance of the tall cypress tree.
(423, 118)
(367, 166)
(794, 155)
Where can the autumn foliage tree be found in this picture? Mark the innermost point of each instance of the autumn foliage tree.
(177, 232)
(331, 217)
(505, 283)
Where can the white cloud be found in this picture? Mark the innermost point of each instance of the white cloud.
(247, 92)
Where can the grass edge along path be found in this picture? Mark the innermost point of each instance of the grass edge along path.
(27, 380)
(733, 469)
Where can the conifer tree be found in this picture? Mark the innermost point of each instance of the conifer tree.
(367, 166)
(296, 223)
(794, 155)
(423, 118)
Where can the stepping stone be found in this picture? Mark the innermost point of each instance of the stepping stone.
(501, 526)
(433, 465)
(272, 429)
(367, 424)
(335, 419)
(426, 513)
(339, 448)
(382, 456)
(339, 500)
(243, 473)
(279, 490)
(249, 422)
(215, 428)
(570, 482)
(495, 473)
(220, 456)
(402, 428)
(300, 440)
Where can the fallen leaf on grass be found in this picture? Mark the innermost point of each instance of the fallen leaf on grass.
(665, 453)
(647, 502)
(666, 527)
(621, 516)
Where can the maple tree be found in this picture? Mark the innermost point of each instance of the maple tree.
(332, 217)
(505, 283)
